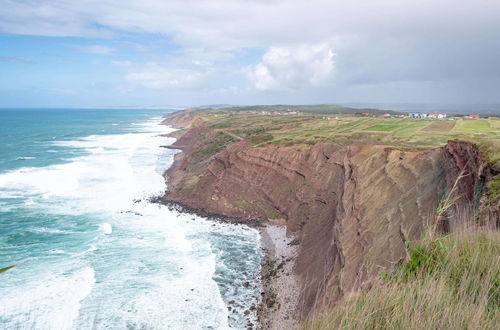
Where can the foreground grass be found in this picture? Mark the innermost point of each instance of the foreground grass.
(446, 283)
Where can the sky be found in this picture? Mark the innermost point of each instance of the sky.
(102, 53)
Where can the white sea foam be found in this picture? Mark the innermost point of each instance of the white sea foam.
(91, 249)
(95, 150)
(106, 228)
(50, 230)
(155, 271)
(57, 251)
(52, 302)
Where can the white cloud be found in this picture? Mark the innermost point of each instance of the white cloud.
(296, 67)
(157, 76)
(243, 23)
(377, 42)
(95, 49)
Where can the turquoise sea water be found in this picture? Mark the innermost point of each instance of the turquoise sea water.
(91, 251)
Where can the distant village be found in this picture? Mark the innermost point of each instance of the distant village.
(273, 113)
(413, 115)
(419, 115)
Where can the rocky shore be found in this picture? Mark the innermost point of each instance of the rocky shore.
(280, 287)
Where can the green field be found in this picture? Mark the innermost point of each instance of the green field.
(383, 128)
(285, 129)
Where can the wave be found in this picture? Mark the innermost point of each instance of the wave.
(157, 268)
(25, 158)
(51, 302)
(50, 230)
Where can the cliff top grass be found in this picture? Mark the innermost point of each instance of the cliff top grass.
(450, 282)
(306, 128)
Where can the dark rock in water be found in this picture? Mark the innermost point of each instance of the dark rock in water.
(246, 284)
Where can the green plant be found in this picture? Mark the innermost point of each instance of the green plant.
(3, 270)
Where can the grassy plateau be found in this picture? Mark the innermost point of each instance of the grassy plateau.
(262, 127)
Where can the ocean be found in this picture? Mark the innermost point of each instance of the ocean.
(92, 252)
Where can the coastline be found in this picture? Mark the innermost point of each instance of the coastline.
(280, 286)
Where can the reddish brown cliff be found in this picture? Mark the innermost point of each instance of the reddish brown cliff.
(353, 207)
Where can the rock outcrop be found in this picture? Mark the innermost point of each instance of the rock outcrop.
(354, 207)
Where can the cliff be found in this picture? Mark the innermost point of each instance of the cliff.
(353, 207)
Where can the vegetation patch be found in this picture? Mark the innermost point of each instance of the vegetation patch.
(214, 145)
(476, 126)
(494, 190)
(440, 126)
(263, 125)
(447, 283)
(261, 138)
(383, 128)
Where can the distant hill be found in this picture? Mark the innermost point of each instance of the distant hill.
(320, 109)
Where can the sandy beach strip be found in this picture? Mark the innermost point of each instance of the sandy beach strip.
(281, 289)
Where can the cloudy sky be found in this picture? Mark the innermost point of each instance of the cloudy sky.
(189, 52)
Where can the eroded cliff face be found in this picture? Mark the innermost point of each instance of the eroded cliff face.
(353, 207)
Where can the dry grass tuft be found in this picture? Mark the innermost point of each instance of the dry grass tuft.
(451, 282)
